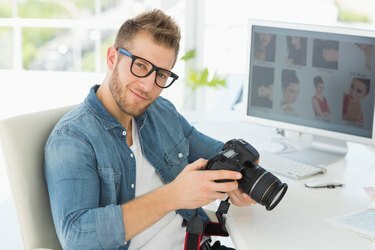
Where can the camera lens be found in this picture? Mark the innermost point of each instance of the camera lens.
(262, 186)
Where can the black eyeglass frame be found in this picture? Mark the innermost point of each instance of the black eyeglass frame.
(154, 68)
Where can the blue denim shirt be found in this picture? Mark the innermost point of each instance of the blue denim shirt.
(90, 170)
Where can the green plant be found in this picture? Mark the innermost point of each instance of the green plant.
(349, 16)
(197, 78)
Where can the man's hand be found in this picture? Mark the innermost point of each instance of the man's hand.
(240, 198)
(194, 188)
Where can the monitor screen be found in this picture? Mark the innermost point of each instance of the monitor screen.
(314, 79)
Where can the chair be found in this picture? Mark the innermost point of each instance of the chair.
(22, 141)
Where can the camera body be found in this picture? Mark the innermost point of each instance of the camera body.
(233, 156)
(261, 185)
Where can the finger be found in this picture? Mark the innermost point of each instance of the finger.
(218, 196)
(240, 198)
(237, 194)
(225, 187)
(223, 175)
(197, 165)
(234, 198)
(247, 198)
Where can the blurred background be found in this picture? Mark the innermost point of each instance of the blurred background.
(52, 51)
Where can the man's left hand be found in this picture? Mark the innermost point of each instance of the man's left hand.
(240, 198)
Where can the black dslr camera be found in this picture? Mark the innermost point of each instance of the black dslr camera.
(261, 185)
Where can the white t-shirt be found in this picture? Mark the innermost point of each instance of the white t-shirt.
(167, 233)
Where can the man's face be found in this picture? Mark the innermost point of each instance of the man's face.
(357, 90)
(133, 94)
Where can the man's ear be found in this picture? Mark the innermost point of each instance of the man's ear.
(111, 58)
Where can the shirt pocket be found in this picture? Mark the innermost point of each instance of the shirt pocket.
(176, 155)
(109, 184)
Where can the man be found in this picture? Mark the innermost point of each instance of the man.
(123, 168)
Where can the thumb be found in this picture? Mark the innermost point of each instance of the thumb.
(199, 164)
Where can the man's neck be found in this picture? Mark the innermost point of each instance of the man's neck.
(110, 105)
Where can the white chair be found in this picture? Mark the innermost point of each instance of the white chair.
(22, 143)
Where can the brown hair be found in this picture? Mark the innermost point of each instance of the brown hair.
(365, 82)
(163, 29)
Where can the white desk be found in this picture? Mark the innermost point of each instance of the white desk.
(299, 221)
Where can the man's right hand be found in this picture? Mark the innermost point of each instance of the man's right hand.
(194, 188)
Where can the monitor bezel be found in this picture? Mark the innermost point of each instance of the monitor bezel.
(337, 29)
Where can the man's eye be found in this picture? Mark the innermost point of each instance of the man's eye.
(162, 75)
(141, 65)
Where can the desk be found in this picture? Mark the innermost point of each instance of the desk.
(299, 221)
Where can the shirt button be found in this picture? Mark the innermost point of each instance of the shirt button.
(132, 185)
(124, 133)
(180, 155)
(131, 155)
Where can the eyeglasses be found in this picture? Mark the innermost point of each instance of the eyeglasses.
(141, 67)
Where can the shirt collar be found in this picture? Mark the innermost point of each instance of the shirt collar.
(107, 119)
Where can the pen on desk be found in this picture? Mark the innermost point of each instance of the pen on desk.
(325, 186)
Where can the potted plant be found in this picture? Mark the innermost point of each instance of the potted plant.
(197, 78)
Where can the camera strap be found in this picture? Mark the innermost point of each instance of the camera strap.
(196, 229)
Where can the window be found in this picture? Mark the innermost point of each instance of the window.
(6, 45)
(52, 51)
(66, 35)
(5, 8)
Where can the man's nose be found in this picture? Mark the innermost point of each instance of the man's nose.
(148, 82)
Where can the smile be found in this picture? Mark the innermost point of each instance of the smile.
(138, 96)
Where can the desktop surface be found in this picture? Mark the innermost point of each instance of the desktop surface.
(300, 220)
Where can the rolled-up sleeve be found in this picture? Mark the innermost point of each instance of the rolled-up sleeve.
(74, 190)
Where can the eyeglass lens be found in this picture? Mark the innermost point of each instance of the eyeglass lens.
(142, 67)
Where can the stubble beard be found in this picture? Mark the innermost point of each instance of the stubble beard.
(118, 92)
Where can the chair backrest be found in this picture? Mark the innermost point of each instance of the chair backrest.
(22, 143)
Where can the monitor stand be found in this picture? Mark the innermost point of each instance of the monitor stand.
(315, 150)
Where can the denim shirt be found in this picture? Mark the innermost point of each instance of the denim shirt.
(90, 170)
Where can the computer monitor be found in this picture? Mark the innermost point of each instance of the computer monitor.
(314, 80)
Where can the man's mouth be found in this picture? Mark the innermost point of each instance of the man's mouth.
(138, 95)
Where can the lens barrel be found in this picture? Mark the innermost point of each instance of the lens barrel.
(261, 185)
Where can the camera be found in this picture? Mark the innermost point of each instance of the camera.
(261, 185)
